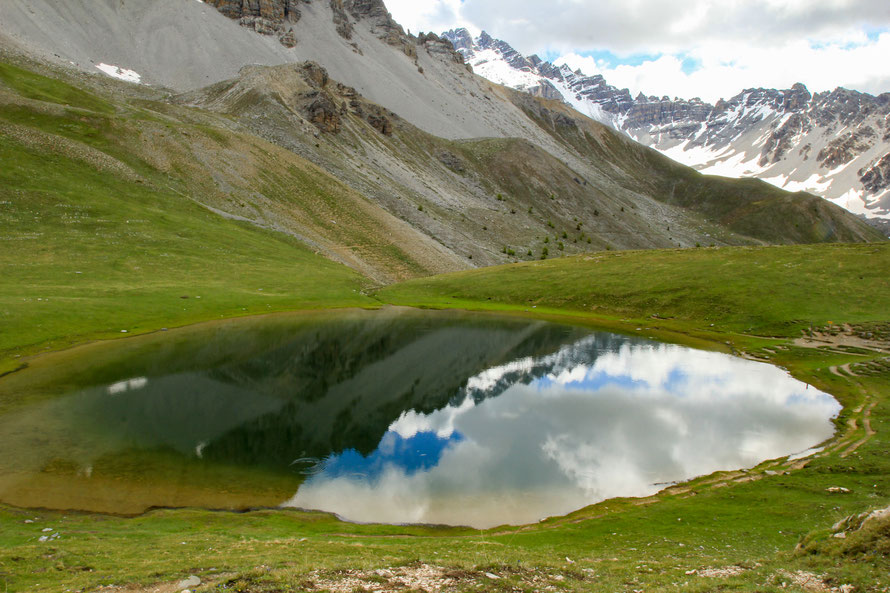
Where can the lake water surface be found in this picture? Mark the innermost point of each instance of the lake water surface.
(391, 416)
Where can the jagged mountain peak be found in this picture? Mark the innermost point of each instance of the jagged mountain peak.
(460, 38)
(835, 144)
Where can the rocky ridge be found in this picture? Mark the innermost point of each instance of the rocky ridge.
(267, 17)
(277, 17)
(834, 144)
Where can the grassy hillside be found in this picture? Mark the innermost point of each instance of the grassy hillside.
(92, 245)
(759, 290)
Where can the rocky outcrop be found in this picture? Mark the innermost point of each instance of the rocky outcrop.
(435, 45)
(273, 10)
(374, 14)
(876, 178)
(782, 140)
(452, 161)
(651, 111)
(323, 113)
(316, 76)
(267, 17)
(379, 120)
(545, 90)
(845, 108)
(373, 10)
(846, 147)
(550, 118)
(341, 19)
(326, 104)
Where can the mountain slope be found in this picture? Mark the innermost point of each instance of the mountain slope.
(835, 144)
(185, 45)
(289, 148)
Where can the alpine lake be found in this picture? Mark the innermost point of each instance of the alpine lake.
(392, 416)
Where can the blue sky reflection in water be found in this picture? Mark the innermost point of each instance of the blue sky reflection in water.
(544, 436)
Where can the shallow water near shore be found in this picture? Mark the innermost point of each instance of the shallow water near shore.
(394, 416)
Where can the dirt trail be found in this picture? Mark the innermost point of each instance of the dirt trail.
(846, 338)
(869, 431)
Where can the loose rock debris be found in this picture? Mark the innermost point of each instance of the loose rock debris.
(720, 573)
(809, 581)
(422, 577)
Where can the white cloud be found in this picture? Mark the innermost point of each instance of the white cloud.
(431, 15)
(726, 68)
(737, 43)
(668, 25)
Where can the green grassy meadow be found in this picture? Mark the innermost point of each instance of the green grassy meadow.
(772, 291)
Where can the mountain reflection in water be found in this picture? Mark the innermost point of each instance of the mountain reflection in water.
(570, 429)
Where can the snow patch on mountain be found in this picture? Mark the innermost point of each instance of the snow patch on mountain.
(489, 64)
(120, 73)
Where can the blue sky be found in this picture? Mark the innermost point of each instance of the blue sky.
(706, 48)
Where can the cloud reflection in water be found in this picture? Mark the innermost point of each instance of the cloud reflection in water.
(572, 429)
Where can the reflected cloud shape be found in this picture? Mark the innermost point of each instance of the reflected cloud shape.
(544, 436)
(127, 385)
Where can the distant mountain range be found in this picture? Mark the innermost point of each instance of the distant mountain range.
(834, 144)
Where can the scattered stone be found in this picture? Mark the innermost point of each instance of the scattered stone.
(192, 581)
(452, 161)
(492, 576)
(858, 521)
(837, 490)
(721, 573)
(47, 529)
(417, 577)
(807, 581)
